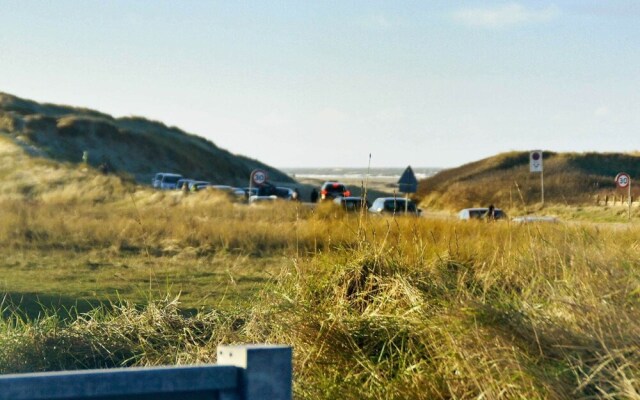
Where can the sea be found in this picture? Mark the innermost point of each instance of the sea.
(389, 173)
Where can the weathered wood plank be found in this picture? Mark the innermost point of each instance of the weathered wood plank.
(266, 370)
(90, 384)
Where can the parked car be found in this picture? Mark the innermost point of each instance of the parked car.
(330, 190)
(223, 188)
(394, 205)
(267, 189)
(182, 182)
(535, 219)
(479, 213)
(239, 192)
(284, 192)
(251, 191)
(352, 203)
(197, 185)
(165, 180)
(262, 199)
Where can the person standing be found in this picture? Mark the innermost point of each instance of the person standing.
(490, 215)
(314, 195)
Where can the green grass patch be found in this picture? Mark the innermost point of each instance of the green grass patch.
(97, 272)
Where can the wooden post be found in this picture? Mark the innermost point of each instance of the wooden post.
(266, 371)
(629, 194)
(542, 186)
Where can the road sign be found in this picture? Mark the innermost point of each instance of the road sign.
(535, 161)
(623, 180)
(408, 182)
(258, 176)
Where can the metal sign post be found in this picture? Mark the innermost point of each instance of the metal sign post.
(535, 165)
(408, 183)
(623, 180)
(258, 176)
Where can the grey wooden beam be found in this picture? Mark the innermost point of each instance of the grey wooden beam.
(116, 382)
(266, 371)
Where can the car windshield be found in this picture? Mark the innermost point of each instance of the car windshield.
(480, 213)
(171, 178)
(477, 213)
(399, 206)
(354, 204)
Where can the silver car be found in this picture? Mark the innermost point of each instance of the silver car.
(165, 180)
(394, 206)
(480, 213)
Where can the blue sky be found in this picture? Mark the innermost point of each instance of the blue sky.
(294, 83)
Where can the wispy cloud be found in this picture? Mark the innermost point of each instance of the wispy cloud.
(505, 16)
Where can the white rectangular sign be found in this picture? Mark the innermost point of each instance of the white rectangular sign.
(535, 161)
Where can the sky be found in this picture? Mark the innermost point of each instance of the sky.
(326, 83)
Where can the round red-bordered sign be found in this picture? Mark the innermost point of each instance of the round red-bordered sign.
(623, 180)
(259, 176)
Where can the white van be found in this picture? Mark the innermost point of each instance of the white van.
(165, 180)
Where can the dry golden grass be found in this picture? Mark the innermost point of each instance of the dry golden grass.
(505, 180)
(376, 308)
(442, 310)
(396, 309)
(132, 145)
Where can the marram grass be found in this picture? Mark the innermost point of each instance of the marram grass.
(375, 308)
(379, 308)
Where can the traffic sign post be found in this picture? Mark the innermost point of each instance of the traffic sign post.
(257, 177)
(623, 180)
(408, 183)
(535, 165)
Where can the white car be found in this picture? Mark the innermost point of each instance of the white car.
(165, 180)
(262, 199)
(533, 219)
(394, 206)
(479, 213)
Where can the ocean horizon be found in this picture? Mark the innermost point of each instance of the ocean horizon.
(357, 173)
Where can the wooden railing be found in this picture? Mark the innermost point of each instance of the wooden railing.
(615, 200)
(249, 372)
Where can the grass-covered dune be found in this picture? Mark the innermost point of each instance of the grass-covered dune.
(505, 180)
(98, 272)
(131, 145)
